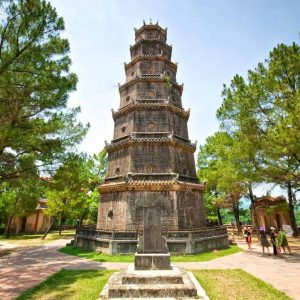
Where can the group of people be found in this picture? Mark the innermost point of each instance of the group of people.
(278, 239)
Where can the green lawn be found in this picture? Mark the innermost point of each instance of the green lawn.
(35, 239)
(130, 258)
(236, 284)
(218, 284)
(69, 284)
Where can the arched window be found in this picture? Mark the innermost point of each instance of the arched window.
(117, 171)
(128, 98)
(110, 215)
(123, 129)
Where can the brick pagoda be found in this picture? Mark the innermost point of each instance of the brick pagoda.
(151, 159)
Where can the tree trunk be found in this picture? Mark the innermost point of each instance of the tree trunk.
(48, 229)
(60, 223)
(82, 217)
(236, 213)
(8, 226)
(252, 199)
(219, 215)
(291, 209)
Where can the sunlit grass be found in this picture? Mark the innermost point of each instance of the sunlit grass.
(35, 239)
(101, 257)
(69, 284)
(236, 284)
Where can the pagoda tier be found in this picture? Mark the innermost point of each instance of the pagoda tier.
(151, 151)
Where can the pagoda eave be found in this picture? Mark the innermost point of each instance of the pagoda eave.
(149, 104)
(150, 26)
(150, 57)
(150, 185)
(150, 79)
(131, 140)
(150, 41)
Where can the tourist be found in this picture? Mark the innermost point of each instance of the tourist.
(263, 240)
(283, 242)
(247, 235)
(274, 241)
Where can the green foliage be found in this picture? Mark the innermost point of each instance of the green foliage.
(67, 194)
(278, 207)
(73, 191)
(224, 185)
(36, 127)
(265, 111)
(262, 113)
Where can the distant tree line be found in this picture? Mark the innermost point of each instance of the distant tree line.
(259, 137)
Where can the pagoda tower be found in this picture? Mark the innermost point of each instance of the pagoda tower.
(151, 159)
(151, 154)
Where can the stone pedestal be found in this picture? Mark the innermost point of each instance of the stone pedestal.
(152, 261)
(160, 284)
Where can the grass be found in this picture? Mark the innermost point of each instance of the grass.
(218, 284)
(130, 258)
(69, 284)
(35, 239)
(236, 284)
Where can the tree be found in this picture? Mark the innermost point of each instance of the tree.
(35, 81)
(217, 169)
(68, 190)
(19, 197)
(73, 190)
(264, 110)
(98, 171)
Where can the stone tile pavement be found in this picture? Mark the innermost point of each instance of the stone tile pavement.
(24, 269)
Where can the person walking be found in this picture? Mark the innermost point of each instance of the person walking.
(263, 240)
(283, 242)
(247, 235)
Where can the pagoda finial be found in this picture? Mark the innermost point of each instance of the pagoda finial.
(157, 22)
(150, 21)
(144, 23)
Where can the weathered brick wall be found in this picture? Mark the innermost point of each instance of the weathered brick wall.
(124, 125)
(184, 163)
(151, 67)
(151, 156)
(117, 204)
(127, 95)
(162, 120)
(190, 210)
(183, 211)
(120, 159)
(148, 90)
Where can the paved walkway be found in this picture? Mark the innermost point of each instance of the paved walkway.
(24, 269)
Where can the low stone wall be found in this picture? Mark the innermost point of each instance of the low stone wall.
(185, 242)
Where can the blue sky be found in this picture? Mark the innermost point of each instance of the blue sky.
(212, 41)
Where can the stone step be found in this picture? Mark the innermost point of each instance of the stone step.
(155, 291)
(134, 279)
(164, 298)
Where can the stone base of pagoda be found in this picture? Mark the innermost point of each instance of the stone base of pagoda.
(179, 242)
